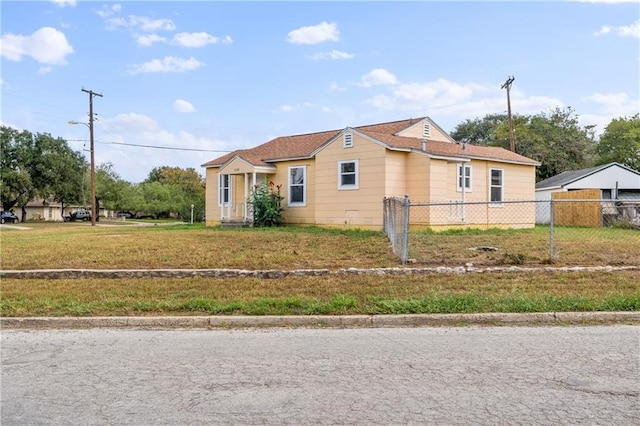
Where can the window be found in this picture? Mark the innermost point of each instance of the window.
(347, 140)
(496, 186)
(426, 130)
(466, 179)
(297, 187)
(223, 193)
(348, 174)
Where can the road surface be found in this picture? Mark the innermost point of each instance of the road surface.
(442, 375)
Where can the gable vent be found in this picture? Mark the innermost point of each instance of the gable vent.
(347, 140)
(426, 130)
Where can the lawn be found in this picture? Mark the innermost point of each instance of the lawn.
(117, 245)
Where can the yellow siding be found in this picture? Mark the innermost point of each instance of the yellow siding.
(297, 215)
(212, 211)
(361, 207)
(395, 174)
(415, 131)
(237, 166)
(417, 171)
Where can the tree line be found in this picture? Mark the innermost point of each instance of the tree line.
(38, 166)
(556, 140)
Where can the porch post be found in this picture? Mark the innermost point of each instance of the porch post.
(230, 198)
(246, 196)
(220, 196)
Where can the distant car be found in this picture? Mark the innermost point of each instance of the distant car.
(128, 215)
(8, 217)
(79, 214)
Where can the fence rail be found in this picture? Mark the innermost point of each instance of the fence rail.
(567, 231)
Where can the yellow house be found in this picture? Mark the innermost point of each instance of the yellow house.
(340, 177)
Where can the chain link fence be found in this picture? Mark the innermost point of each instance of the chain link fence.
(565, 232)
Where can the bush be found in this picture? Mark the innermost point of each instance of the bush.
(266, 203)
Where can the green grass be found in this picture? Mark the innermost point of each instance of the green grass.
(123, 246)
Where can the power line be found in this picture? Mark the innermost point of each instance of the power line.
(152, 146)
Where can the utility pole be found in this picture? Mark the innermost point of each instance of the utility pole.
(94, 213)
(507, 85)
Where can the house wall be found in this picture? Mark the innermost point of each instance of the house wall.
(395, 174)
(360, 207)
(415, 131)
(297, 215)
(212, 210)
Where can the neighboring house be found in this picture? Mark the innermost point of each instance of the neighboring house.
(340, 177)
(613, 181)
(40, 209)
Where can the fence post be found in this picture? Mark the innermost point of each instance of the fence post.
(551, 249)
(405, 229)
(384, 216)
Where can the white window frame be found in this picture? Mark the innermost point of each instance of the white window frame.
(459, 177)
(342, 187)
(426, 130)
(304, 187)
(347, 140)
(221, 200)
(491, 186)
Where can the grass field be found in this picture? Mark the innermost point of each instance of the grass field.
(118, 245)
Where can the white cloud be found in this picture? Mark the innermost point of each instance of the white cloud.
(608, 106)
(107, 11)
(632, 30)
(180, 105)
(44, 70)
(167, 64)
(444, 98)
(377, 77)
(63, 3)
(314, 34)
(138, 129)
(46, 46)
(335, 87)
(198, 39)
(148, 40)
(134, 22)
(334, 54)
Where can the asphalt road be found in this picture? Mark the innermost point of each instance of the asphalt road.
(440, 375)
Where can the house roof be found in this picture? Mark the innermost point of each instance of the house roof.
(570, 176)
(305, 145)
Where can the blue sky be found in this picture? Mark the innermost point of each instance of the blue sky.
(209, 77)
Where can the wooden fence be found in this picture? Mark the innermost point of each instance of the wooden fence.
(587, 214)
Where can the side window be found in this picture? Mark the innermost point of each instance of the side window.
(348, 174)
(297, 186)
(223, 189)
(496, 186)
(464, 177)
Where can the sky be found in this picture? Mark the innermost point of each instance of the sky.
(183, 83)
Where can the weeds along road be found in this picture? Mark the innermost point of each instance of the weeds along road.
(441, 375)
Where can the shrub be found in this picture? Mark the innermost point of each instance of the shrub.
(266, 203)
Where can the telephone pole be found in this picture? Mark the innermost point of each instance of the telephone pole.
(507, 85)
(94, 213)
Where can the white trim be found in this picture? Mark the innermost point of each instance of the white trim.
(221, 200)
(342, 187)
(467, 166)
(304, 187)
(491, 186)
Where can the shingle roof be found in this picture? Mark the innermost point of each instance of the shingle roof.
(303, 146)
(570, 176)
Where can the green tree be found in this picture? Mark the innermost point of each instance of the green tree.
(38, 165)
(479, 131)
(620, 142)
(555, 139)
(188, 183)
